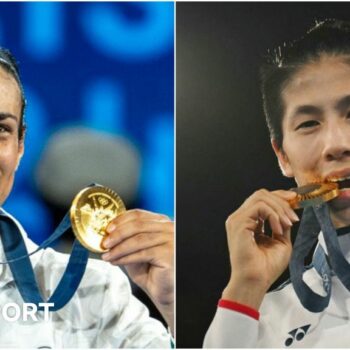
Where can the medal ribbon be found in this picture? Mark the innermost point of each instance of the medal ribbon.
(314, 220)
(22, 270)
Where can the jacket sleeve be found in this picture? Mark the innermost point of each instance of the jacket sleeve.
(232, 329)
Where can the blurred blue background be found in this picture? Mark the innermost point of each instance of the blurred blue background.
(108, 67)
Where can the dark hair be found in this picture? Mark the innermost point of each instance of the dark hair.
(331, 37)
(8, 62)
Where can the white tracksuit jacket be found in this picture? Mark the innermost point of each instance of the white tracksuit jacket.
(102, 314)
(283, 322)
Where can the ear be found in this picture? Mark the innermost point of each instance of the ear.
(282, 160)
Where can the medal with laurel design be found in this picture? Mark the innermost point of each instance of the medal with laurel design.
(93, 208)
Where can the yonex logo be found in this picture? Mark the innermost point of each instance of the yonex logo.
(297, 334)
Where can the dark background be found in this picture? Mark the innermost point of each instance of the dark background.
(223, 147)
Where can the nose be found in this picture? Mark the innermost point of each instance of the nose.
(337, 142)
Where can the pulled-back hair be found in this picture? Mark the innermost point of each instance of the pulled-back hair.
(329, 37)
(9, 64)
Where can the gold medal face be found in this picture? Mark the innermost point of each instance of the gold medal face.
(93, 208)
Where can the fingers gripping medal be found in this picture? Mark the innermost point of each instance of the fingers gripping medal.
(92, 210)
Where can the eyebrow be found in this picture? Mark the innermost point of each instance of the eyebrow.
(343, 104)
(4, 116)
(308, 109)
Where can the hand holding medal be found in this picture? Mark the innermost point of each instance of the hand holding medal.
(266, 256)
(140, 240)
(143, 242)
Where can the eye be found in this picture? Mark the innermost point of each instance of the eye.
(5, 129)
(308, 124)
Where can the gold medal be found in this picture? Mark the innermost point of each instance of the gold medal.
(314, 194)
(93, 208)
